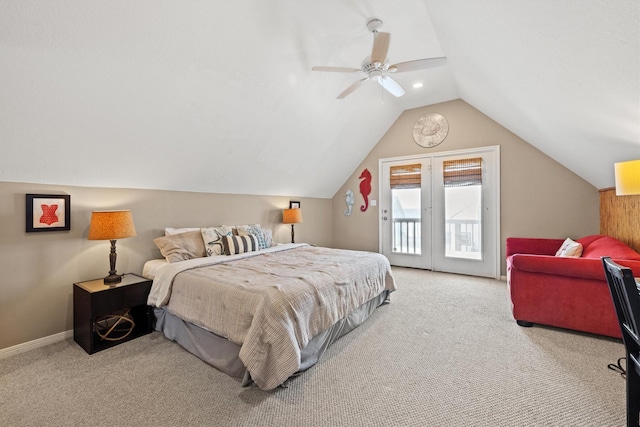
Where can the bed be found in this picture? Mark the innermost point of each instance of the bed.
(265, 316)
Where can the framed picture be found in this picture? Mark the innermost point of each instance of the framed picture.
(294, 205)
(47, 212)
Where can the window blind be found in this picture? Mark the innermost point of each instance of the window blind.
(405, 176)
(462, 172)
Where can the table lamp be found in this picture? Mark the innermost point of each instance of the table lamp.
(292, 216)
(111, 225)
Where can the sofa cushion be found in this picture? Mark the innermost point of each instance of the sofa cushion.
(599, 246)
(529, 245)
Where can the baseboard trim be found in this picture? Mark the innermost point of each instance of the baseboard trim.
(32, 345)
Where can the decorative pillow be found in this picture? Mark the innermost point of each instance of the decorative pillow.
(570, 248)
(255, 230)
(181, 247)
(212, 238)
(239, 244)
(268, 237)
(169, 231)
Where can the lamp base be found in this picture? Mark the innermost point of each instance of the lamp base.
(112, 279)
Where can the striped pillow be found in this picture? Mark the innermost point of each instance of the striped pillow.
(256, 230)
(239, 244)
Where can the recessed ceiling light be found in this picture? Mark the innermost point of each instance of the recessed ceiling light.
(417, 85)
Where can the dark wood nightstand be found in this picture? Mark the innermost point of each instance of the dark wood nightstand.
(98, 307)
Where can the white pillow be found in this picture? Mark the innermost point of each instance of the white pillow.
(570, 248)
(171, 231)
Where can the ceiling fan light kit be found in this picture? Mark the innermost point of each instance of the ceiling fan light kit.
(377, 67)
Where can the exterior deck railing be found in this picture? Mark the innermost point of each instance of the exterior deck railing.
(462, 235)
(407, 235)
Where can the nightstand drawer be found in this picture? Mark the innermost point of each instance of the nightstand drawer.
(119, 298)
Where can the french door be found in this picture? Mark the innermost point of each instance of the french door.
(441, 211)
(406, 212)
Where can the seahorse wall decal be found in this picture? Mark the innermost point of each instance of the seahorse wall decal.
(365, 188)
(349, 199)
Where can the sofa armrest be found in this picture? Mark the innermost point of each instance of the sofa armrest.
(525, 245)
(586, 268)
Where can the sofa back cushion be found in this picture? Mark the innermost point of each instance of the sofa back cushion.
(599, 246)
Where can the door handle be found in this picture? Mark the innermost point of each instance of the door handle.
(385, 218)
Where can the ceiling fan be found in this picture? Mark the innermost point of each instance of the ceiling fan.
(377, 67)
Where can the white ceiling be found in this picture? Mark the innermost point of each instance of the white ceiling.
(219, 96)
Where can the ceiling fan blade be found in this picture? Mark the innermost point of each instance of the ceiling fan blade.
(418, 64)
(353, 87)
(380, 47)
(336, 69)
(391, 86)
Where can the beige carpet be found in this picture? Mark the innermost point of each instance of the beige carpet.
(445, 352)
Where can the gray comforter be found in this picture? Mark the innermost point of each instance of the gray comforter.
(273, 302)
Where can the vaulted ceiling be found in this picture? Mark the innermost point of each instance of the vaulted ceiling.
(219, 96)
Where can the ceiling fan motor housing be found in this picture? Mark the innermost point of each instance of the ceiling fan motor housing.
(368, 66)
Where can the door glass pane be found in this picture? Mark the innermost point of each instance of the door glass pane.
(405, 183)
(406, 209)
(462, 180)
(463, 222)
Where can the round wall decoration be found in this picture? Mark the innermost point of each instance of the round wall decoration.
(430, 130)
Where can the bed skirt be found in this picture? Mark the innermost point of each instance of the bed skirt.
(223, 354)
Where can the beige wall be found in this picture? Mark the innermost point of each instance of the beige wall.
(539, 197)
(38, 269)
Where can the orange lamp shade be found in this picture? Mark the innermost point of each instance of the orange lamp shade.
(292, 216)
(111, 225)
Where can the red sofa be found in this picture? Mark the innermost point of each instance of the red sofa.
(569, 293)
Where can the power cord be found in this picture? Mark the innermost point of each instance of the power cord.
(618, 367)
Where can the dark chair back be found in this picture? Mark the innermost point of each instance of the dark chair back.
(626, 299)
